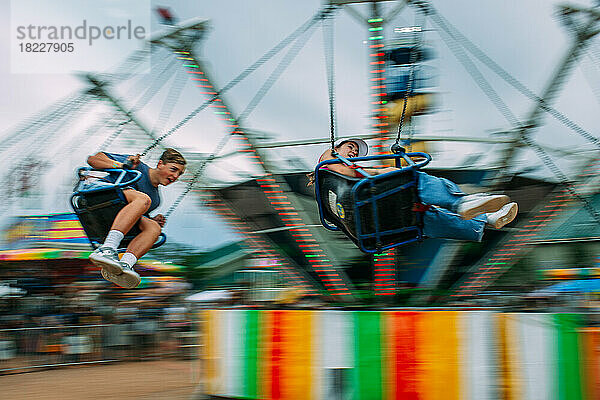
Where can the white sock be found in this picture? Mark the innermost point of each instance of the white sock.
(129, 259)
(113, 239)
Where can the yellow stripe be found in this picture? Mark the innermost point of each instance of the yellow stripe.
(64, 234)
(438, 354)
(590, 357)
(66, 224)
(265, 356)
(503, 378)
(316, 356)
(211, 336)
(296, 355)
(214, 358)
(514, 390)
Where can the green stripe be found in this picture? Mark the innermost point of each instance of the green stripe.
(251, 354)
(569, 365)
(367, 331)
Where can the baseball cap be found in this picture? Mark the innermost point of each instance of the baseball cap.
(363, 147)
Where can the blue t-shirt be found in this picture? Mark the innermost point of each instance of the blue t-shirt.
(144, 184)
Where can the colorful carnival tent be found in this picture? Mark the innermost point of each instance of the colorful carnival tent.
(46, 238)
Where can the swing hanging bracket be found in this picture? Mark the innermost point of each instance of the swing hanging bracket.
(397, 149)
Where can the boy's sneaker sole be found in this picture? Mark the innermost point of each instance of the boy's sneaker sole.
(483, 205)
(114, 267)
(127, 279)
(508, 215)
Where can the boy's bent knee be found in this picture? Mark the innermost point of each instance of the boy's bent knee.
(151, 226)
(156, 227)
(133, 196)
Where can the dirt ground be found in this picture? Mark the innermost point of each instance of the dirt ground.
(165, 379)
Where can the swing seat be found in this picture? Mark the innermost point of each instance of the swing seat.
(376, 212)
(98, 204)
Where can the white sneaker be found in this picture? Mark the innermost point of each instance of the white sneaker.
(476, 204)
(503, 216)
(107, 258)
(128, 279)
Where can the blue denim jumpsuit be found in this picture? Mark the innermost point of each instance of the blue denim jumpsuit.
(442, 221)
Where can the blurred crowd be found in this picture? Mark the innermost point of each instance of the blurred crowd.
(45, 325)
(93, 322)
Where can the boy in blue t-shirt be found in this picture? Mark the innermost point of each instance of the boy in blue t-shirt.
(142, 198)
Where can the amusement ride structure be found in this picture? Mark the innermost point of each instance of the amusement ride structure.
(270, 206)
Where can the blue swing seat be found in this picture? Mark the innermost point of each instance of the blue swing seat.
(97, 205)
(377, 212)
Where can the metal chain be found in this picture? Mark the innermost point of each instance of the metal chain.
(144, 99)
(463, 58)
(173, 95)
(127, 68)
(412, 62)
(115, 134)
(44, 134)
(266, 57)
(283, 64)
(483, 58)
(328, 46)
(569, 123)
(197, 174)
(495, 98)
(55, 111)
(158, 82)
(590, 76)
(543, 155)
(55, 126)
(80, 140)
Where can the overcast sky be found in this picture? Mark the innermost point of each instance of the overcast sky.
(524, 37)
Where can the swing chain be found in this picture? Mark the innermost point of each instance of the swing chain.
(396, 147)
(323, 13)
(328, 44)
(245, 113)
(199, 172)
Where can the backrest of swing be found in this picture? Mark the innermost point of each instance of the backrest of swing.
(98, 207)
(97, 210)
(335, 201)
(375, 213)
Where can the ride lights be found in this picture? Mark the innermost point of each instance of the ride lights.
(503, 258)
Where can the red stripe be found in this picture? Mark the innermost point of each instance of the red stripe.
(405, 343)
(276, 356)
(591, 337)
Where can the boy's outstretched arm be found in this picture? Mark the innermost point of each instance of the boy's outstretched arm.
(102, 161)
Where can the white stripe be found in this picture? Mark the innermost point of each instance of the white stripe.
(337, 338)
(316, 356)
(478, 360)
(538, 357)
(233, 352)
